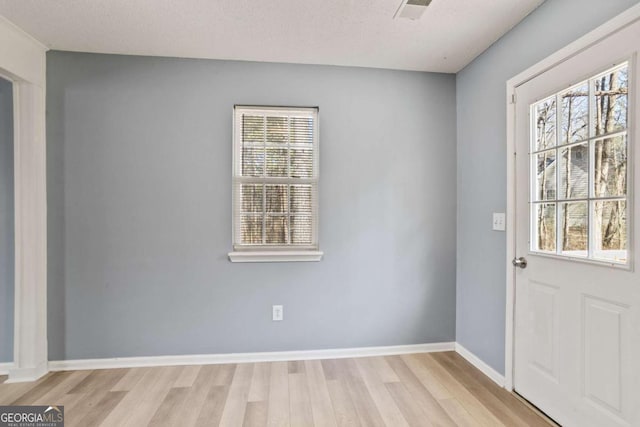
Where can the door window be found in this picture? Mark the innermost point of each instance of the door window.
(579, 170)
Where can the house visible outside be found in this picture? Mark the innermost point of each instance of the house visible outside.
(592, 122)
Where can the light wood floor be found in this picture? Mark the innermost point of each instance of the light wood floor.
(436, 389)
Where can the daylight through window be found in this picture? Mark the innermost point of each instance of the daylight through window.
(579, 169)
(275, 178)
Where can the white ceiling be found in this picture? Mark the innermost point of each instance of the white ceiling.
(449, 35)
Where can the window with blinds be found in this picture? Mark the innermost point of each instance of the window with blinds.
(275, 178)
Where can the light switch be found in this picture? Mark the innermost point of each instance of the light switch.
(499, 221)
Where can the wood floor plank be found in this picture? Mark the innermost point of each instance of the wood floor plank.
(428, 380)
(319, 395)
(440, 389)
(410, 408)
(187, 376)
(458, 414)
(213, 407)
(330, 369)
(383, 370)
(366, 408)
(233, 414)
(130, 379)
(488, 400)
(216, 381)
(485, 384)
(296, 366)
(43, 388)
(91, 397)
(299, 401)
(278, 407)
(461, 393)
(375, 378)
(259, 390)
(256, 414)
(168, 412)
(97, 414)
(141, 403)
(71, 402)
(224, 374)
(52, 396)
(10, 392)
(99, 378)
(429, 405)
(190, 410)
(343, 407)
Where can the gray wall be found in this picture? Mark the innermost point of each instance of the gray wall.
(481, 166)
(139, 164)
(6, 221)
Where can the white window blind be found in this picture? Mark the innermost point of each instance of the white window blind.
(275, 179)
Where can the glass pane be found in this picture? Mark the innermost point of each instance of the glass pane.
(277, 198)
(301, 230)
(251, 197)
(301, 199)
(252, 128)
(252, 161)
(611, 101)
(546, 176)
(575, 114)
(277, 230)
(251, 229)
(610, 167)
(574, 218)
(574, 172)
(301, 163)
(545, 231)
(277, 129)
(276, 162)
(610, 230)
(545, 124)
(302, 130)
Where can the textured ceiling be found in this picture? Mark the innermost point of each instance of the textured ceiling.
(450, 34)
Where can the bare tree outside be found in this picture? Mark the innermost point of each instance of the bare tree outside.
(577, 130)
(275, 149)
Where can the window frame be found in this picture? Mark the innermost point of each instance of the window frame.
(273, 252)
(590, 141)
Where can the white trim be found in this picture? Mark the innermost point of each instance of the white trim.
(275, 256)
(237, 179)
(610, 27)
(276, 356)
(23, 375)
(494, 375)
(23, 33)
(5, 368)
(23, 57)
(623, 20)
(23, 62)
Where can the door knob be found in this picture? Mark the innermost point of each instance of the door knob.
(519, 262)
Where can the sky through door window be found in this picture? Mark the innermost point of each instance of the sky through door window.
(275, 178)
(579, 170)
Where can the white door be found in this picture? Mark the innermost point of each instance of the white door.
(577, 309)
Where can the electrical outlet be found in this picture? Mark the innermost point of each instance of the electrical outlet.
(277, 313)
(499, 221)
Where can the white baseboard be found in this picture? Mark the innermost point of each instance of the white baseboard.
(276, 356)
(482, 366)
(5, 367)
(24, 375)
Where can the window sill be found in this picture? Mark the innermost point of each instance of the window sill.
(276, 256)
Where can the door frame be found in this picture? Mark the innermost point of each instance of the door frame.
(610, 27)
(23, 63)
